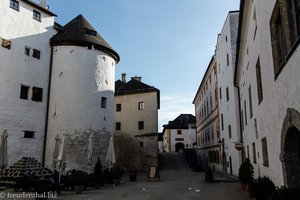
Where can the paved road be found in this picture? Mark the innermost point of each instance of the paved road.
(178, 182)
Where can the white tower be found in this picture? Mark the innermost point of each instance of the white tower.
(82, 91)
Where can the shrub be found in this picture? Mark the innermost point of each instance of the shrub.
(263, 187)
(284, 193)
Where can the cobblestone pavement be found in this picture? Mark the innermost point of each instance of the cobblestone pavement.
(178, 182)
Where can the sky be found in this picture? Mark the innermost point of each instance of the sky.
(169, 43)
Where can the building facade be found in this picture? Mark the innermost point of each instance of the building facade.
(230, 132)
(179, 134)
(136, 122)
(267, 74)
(53, 78)
(209, 144)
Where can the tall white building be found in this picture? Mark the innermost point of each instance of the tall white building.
(53, 78)
(228, 94)
(267, 75)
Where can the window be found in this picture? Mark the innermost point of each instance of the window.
(258, 82)
(103, 102)
(14, 5)
(254, 152)
(24, 93)
(37, 94)
(242, 119)
(227, 94)
(250, 101)
(245, 110)
(179, 132)
(29, 134)
(36, 54)
(285, 30)
(265, 152)
(36, 15)
(6, 43)
(141, 125)
(118, 108)
(229, 131)
(141, 144)
(222, 123)
(220, 93)
(118, 126)
(227, 59)
(255, 127)
(141, 106)
(90, 32)
(27, 51)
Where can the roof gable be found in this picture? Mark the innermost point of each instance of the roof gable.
(181, 122)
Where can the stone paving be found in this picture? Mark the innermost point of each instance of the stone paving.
(177, 183)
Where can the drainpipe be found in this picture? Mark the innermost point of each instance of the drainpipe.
(47, 109)
(240, 119)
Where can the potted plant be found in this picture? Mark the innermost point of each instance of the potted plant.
(246, 173)
(98, 174)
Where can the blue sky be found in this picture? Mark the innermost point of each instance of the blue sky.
(167, 42)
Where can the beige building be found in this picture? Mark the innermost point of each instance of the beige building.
(209, 144)
(267, 75)
(136, 121)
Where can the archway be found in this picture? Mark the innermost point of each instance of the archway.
(290, 148)
(179, 147)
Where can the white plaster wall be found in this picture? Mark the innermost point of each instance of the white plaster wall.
(80, 78)
(130, 115)
(278, 95)
(188, 136)
(229, 109)
(17, 115)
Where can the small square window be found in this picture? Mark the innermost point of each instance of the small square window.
(27, 51)
(141, 144)
(179, 132)
(37, 94)
(141, 105)
(118, 108)
(118, 126)
(36, 15)
(29, 134)
(6, 43)
(14, 5)
(36, 54)
(24, 92)
(141, 125)
(103, 102)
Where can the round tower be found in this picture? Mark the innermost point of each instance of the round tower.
(81, 92)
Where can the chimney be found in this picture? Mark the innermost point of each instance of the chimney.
(43, 4)
(124, 77)
(138, 78)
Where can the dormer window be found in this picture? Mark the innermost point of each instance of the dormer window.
(90, 32)
(14, 5)
(37, 15)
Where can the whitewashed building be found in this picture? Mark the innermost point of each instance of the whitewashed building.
(179, 134)
(54, 78)
(230, 132)
(267, 75)
(25, 54)
(209, 146)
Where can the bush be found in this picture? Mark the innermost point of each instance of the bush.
(246, 172)
(284, 193)
(98, 173)
(263, 187)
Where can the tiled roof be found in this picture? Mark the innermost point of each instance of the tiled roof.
(81, 33)
(181, 122)
(132, 87)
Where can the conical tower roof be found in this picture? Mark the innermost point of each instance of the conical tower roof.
(80, 32)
